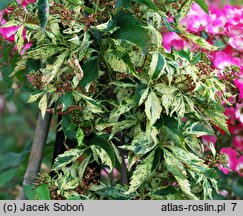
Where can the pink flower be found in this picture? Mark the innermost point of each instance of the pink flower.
(8, 33)
(24, 3)
(171, 39)
(234, 14)
(239, 83)
(232, 159)
(238, 141)
(239, 167)
(230, 113)
(237, 42)
(207, 139)
(217, 22)
(222, 60)
(2, 20)
(25, 48)
(235, 30)
(196, 20)
(237, 131)
(105, 173)
(239, 112)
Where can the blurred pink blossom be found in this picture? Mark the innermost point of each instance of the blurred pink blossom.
(197, 19)
(217, 22)
(8, 33)
(232, 159)
(239, 83)
(239, 112)
(222, 60)
(105, 173)
(230, 113)
(237, 42)
(239, 167)
(24, 3)
(207, 139)
(238, 141)
(25, 48)
(171, 39)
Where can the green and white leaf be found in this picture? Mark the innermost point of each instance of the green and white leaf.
(165, 89)
(66, 158)
(199, 41)
(34, 97)
(19, 38)
(83, 165)
(122, 125)
(53, 69)
(104, 157)
(141, 144)
(125, 106)
(185, 7)
(80, 137)
(193, 162)
(142, 172)
(43, 105)
(176, 167)
(101, 142)
(157, 66)
(153, 107)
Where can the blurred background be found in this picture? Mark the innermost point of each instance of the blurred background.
(17, 126)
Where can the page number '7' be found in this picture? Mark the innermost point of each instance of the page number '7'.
(234, 205)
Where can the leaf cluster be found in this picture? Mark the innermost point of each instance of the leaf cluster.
(101, 65)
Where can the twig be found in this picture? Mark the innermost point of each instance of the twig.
(69, 109)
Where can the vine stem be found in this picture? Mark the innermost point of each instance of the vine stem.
(36, 153)
(124, 177)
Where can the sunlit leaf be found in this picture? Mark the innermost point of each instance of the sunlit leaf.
(141, 173)
(43, 192)
(157, 66)
(153, 107)
(43, 105)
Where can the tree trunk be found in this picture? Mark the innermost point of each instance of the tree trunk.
(38, 145)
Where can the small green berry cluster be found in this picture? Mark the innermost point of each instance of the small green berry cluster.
(43, 178)
(75, 117)
(219, 159)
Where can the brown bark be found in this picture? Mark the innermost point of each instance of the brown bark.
(36, 154)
